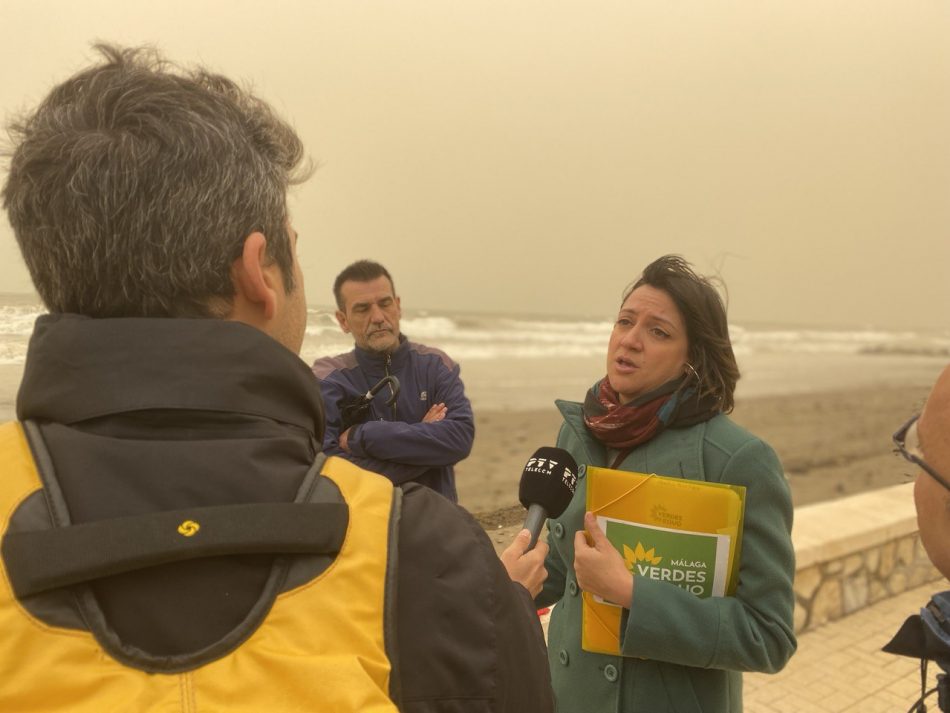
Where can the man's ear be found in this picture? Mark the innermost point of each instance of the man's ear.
(256, 286)
(341, 320)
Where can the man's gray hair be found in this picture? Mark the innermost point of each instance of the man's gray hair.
(134, 184)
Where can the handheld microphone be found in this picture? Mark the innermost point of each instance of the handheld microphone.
(546, 488)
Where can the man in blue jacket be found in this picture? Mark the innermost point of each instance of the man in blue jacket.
(428, 427)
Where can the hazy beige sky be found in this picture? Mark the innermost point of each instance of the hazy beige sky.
(533, 156)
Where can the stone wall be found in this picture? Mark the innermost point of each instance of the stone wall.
(856, 551)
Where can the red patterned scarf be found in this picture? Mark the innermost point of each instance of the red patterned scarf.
(626, 426)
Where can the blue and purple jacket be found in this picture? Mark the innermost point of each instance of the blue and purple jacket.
(393, 440)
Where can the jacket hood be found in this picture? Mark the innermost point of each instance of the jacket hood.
(79, 368)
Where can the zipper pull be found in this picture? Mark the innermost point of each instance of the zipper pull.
(389, 361)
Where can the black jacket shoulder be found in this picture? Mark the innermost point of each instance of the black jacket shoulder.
(468, 638)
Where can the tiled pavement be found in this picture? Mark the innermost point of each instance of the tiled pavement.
(840, 666)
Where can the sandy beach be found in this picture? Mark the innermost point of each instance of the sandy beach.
(832, 443)
(828, 416)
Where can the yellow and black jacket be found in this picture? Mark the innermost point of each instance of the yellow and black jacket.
(173, 541)
(333, 623)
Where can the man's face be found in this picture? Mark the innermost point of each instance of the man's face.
(931, 498)
(371, 314)
(292, 323)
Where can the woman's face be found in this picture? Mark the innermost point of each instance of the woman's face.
(648, 346)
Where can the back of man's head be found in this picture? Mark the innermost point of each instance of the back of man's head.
(359, 271)
(133, 186)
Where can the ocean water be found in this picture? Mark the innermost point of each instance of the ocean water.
(524, 362)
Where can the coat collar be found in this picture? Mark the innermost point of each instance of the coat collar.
(377, 364)
(79, 368)
(676, 452)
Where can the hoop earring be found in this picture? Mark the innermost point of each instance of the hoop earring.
(691, 370)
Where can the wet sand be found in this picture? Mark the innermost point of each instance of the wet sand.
(831, 443)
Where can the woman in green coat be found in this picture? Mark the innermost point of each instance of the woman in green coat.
(671, 374)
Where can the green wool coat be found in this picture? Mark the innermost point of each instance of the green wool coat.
(679, 653)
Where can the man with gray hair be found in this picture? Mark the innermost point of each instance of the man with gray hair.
(924, 440)
(172, 536)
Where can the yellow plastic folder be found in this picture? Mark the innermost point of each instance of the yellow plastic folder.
(685, 532)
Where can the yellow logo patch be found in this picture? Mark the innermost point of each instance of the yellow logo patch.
(188, 528)
(640, 554)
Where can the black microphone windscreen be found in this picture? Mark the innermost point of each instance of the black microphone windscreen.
(548, 479)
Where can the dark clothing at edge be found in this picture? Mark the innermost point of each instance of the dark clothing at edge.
(158, 414)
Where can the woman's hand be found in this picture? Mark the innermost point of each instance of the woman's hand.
(599, 567)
